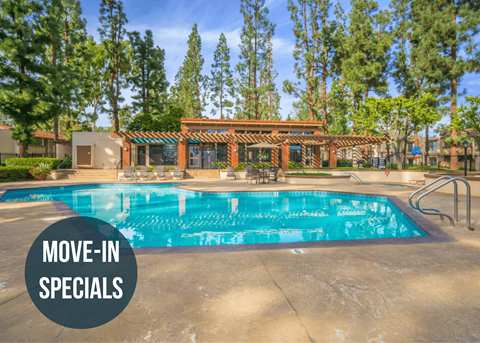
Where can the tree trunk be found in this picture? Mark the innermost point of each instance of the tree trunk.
(427, 147)
(453, 108)
(23, 149)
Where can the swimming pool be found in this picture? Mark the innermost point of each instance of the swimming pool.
(161, 215)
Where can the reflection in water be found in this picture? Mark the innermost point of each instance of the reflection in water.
(158, 216)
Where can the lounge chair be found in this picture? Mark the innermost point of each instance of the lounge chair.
(161, 173)
(143, 174)
(177, 173)
(231, 173)
(432, 172)
(450, 172)
(127, 171)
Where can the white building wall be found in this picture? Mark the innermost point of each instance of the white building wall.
(7, 144)
(106, 150)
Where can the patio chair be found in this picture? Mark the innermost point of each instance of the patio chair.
(143, 174)
(126, 173)
(256, 175)
(177, 173)
(432, 172)
(161, 173)
(231, 173)
(248, 173)
(273, 175)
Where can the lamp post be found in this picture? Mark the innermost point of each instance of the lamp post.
(465, 144)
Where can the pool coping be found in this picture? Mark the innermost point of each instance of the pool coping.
(434, 233)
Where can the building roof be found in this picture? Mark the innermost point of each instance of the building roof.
(206, 123)
(40, 134)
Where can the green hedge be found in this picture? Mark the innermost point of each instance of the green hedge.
(53, 163)
(15, 173)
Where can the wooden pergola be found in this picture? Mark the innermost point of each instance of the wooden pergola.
(233, 140)
(340, 141)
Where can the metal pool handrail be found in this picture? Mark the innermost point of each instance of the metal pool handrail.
(437, 211)
(355, 177)
(131, 175)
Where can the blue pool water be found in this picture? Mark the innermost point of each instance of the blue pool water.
(162, 216)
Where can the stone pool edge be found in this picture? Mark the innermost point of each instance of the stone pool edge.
(435, 234)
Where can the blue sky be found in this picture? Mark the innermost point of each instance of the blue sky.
(171, 22)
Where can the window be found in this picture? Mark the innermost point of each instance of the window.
(432, 146)
(433, 161)
(296, 132)
(410, 146)
(141, 155)
(411, 161)
(156, 155)
(239, 131)
(308, 133)
(296, 153)
(241, 153)
(222, 131)
(170, 154)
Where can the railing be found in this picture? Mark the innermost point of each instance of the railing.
(60, 171)
(435, 211)
(133, 172)
(356, 178)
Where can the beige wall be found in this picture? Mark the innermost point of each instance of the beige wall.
(63, 150)
(7, 144)
(106, 151)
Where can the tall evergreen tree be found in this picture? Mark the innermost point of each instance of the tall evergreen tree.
(147, 76)
(221, 82)
(191, 87)
(447, 49)
(256, 34)
(269, 97)
(314, 53)
(22, 49)
(365, 50)
(112, 32)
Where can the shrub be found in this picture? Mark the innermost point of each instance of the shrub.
(52, 163)
(15, 173)
(392, 166)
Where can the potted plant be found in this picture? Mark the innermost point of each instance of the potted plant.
(40, 172)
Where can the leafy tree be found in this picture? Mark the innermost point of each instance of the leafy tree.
(124, 117)
(113, 21)
(467, 119)
(255, 49)
(269, 101)
(448, 50)
(147, 122)
(221, 82)
(364, 50)
(396, 118)
(340, 109)
(191, 87)
(313, 54)
(147, 76)
(22, 48)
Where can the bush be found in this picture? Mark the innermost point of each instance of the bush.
(52, 163)
(392, 166)
(15, 173)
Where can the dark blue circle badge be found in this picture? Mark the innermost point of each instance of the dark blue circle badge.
(81, 272)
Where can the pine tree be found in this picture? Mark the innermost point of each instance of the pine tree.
(365, 50)
(147, 76)
(257, 32)
(95, 78)
(269, 97)
(74, 38)
(191, 87)
(447, 50)
(314, 53)
(22, 50)
(112, 32)
(221, 82)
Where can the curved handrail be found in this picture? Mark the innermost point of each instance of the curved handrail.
(467, 185)
(355, 177)
(65, 160)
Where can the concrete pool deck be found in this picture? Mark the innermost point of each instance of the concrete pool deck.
(392, 293)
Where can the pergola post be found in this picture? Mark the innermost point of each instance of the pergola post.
(182, 150)
(232, 151)
(332, 155)
(317, 156)
(304, 155)
(126, 152)
(285, 155)
(275, 161)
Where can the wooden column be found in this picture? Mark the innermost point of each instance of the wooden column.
(304, 155)
(285, 155)
(275, 157)
(126, 152)
(232, 151)
(332, 155)
(182, 150)
(317, 156)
